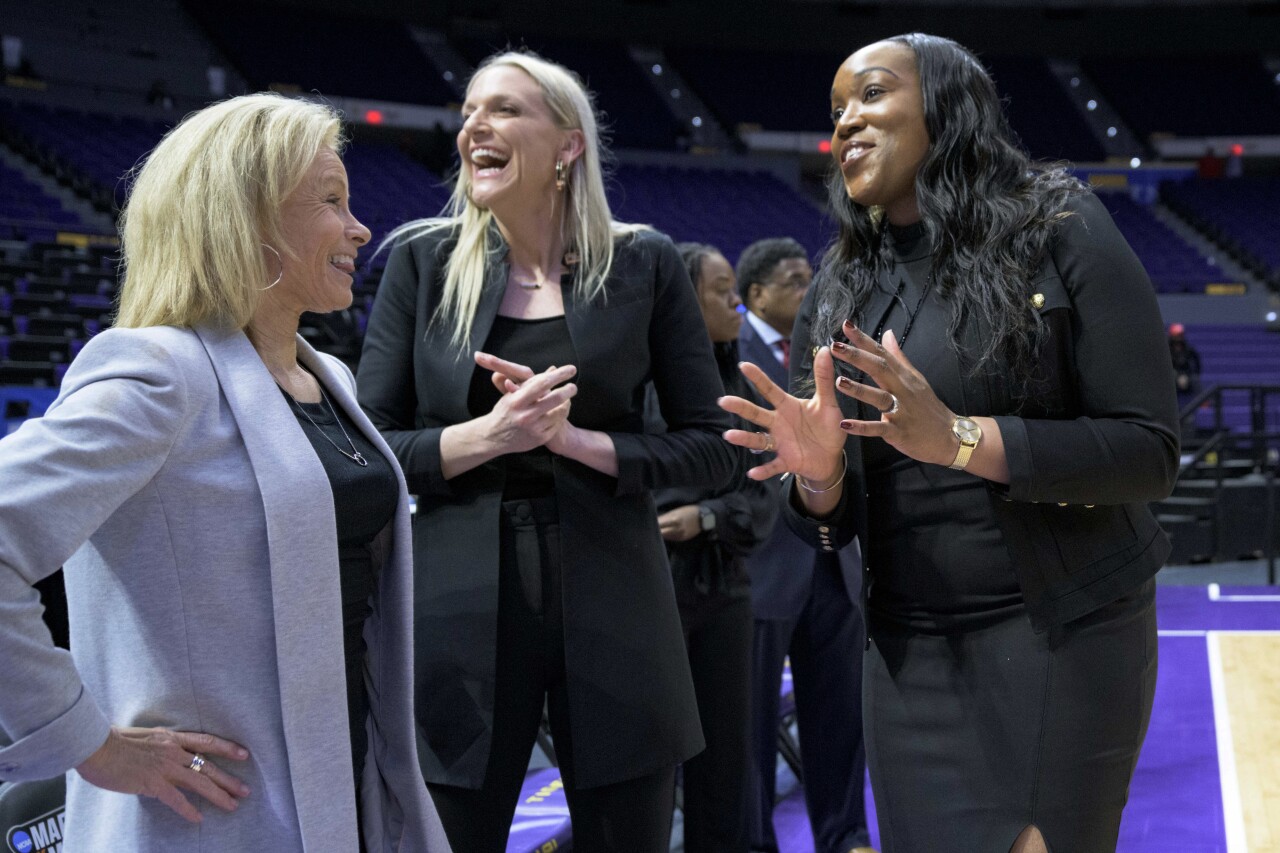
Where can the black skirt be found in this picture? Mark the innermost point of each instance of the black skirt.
(973, 735)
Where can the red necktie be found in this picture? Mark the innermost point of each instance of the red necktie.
(784, 344)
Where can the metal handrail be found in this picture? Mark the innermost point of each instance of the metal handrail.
(1259, 440)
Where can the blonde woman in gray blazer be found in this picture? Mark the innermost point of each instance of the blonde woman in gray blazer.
(196, 476)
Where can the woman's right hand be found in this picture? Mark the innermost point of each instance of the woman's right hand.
(156, 762)
(806, 434)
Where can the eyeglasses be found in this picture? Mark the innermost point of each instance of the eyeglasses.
(789, 284)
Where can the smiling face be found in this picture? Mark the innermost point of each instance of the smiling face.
(323, 237)
(880, 138)
(718, 298)
(509, 142)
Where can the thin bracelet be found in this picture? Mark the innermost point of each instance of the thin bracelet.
(844, 466)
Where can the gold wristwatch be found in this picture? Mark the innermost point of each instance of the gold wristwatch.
(969, 434)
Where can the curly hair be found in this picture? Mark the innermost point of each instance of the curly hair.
(757, 261)
(989, 214)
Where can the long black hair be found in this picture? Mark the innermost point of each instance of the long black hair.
(989, 216)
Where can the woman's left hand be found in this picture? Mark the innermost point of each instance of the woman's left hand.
(912, 418)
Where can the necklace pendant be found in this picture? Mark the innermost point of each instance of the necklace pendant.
(360, 460)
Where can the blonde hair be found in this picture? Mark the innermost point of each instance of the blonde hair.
(204, 203)
(588, 228)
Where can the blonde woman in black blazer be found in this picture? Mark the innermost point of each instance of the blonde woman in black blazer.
(505, 363)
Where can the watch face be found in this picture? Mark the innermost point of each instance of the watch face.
(966, 430)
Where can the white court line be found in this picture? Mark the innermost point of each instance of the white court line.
(1172, 632)
(1232, 808)
(1215, 594)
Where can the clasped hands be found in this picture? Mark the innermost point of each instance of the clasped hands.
(534, 408)
(809, 434)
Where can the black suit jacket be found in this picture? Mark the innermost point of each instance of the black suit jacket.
(632, 706)
(781, 570)
(1096, 441)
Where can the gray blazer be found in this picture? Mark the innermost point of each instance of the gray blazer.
(197, 528)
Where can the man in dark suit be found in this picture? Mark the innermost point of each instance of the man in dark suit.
(805, 604)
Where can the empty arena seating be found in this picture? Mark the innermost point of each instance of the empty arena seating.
(1240, 215)
(1173, 264)
(728, 208)
(634, 115)
(1041, 113)
(363, 56)
(1202, 96)
(89, 152)
(775, 91)
(24, 201)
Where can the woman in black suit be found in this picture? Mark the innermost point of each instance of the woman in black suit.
(542, 574)
(1007, 413)
(709, 532)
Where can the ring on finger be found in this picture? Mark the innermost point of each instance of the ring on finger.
(893, 409)
(768, 444)
(197, 762)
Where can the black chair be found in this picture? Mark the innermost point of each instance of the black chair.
(41, 374)
(56, 325)
(56, 349)
(37, 303)
(33, 814)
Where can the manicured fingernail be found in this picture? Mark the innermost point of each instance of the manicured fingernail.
(840, 347)
(244, 790)
(242, 753)
(844, 382)
(846, 425)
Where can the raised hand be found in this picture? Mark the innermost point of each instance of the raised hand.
(160, 763)
(804, 433)
(912, 418)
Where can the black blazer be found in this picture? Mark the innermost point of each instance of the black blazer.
(782, 569)
(632, 706)
(1095, 443)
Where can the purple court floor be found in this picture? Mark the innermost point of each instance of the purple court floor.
(1176, 802)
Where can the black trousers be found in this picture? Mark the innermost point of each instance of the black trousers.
(634, 815)
(717, 633)
(826, 644)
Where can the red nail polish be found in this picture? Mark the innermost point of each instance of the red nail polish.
(845, 425)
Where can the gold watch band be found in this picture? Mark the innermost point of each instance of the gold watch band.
(962, 456)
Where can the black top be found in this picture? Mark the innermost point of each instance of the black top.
(537, 344)
(364, 501)
(938, 557)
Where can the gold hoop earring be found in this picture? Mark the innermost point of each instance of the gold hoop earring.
(562, 174)
(281, 260)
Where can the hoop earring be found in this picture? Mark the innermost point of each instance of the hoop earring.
(281, 260)
(561, 175)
